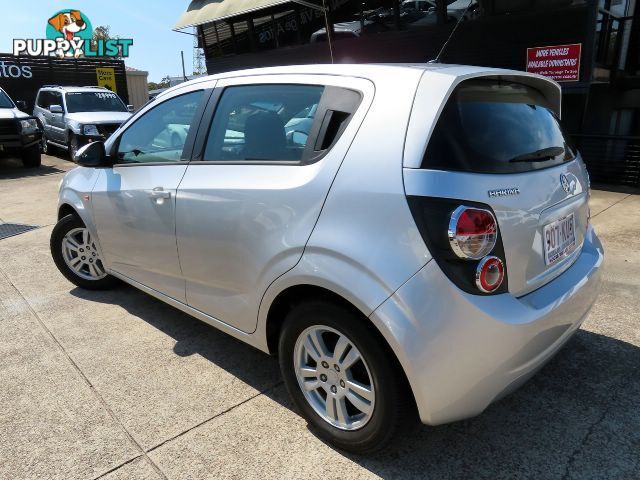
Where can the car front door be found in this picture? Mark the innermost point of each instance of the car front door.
(134, 202)
(41, 111)
(261, 171)
(56, 120)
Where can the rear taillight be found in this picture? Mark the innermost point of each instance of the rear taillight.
(489, 274)
(465, 241)
(472, 232)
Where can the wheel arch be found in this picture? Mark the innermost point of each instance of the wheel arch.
(66, 209)
(70, 201)
(297, 294)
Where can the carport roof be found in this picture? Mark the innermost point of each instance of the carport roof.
(205, 11)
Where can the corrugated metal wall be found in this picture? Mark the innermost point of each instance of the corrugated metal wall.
(138, 88)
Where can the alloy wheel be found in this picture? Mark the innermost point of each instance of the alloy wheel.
(80, 254)
(334, 377)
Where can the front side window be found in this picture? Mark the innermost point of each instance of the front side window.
(263, 122)
(94, 102)
(160, 134)
(56, 99)
(489, 126)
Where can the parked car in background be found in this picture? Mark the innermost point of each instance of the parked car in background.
(456, 9)
(20, 133)
(74, 116)
(464, 9)
(346, 30)
(422, 5)
(420, 242)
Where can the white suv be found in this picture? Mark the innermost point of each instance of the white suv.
(74, 116)
(420, 242)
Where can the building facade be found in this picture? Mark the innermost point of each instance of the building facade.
(601, 39)
(22, 76)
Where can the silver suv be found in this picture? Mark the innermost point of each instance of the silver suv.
(405, 238)
(74, 116)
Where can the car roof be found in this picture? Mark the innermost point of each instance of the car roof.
(73, 88)
(368, 71)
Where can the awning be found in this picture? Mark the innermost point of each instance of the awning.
(205, 11)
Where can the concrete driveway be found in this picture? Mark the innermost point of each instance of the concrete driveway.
(118, 385)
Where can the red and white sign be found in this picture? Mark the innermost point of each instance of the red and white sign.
(560, 62)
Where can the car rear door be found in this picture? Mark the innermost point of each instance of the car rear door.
(262, 169)
(134, 201)
(497, 142)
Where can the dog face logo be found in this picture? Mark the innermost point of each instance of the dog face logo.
(69, 24)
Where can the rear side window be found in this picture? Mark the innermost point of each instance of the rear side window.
(263, 123)
(488, 126)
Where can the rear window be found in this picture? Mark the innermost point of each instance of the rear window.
(488, 126)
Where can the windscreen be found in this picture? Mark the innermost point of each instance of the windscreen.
(94, 102)
(5, 101)
(490, 126)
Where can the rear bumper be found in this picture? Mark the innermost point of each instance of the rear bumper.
(461, 352)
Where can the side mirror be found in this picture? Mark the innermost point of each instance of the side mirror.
(92, 155)
(22, 105)
(131, 108)
(56, 109)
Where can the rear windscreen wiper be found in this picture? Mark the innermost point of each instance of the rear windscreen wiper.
(541, 155)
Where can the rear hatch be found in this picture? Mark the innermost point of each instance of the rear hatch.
(498, 144)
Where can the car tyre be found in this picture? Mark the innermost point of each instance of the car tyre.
(392, 403)
(31, 157)
(76, 256)
(73, 146)
(44, 145)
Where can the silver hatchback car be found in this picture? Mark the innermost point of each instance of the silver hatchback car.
(407, 239)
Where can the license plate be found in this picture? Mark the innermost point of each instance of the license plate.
(559, 239)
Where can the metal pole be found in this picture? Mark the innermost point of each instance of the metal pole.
(441, 12)
(234, 44)
(396, 14)
(329, 29)
(274, 29)
(252, 35)
(184, 72)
